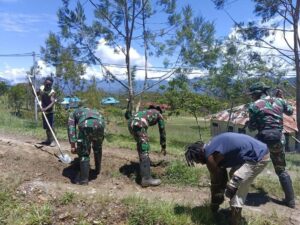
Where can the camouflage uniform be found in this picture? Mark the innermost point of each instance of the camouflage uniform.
(139, 124)
(266, 115)
(91, 130)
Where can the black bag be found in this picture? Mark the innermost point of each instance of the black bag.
(269, 136)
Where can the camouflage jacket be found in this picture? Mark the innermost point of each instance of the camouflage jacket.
(150, 117)
(83, 117)
(267, 113)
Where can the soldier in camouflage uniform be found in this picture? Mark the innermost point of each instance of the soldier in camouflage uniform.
(138, 125)
(90, 131)
(47, 95)
(266, 116)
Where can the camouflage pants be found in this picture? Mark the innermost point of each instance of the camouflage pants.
(278, 157)
(141, 137)
(89, 136)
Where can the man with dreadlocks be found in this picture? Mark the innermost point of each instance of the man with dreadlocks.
(246, 157)
(138, 125)
(266, 116)
(90, 132)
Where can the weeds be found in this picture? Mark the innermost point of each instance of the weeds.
(67, 198)
(180, 174)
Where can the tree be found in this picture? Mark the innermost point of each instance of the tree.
(238, 67)
(16, 97)
(123, 24)
(286, 13)
(3, 88)
(180, 97)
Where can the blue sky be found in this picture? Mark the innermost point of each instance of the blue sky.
(25, 24)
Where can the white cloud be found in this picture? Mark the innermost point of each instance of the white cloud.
(23, 23)
(15, 75)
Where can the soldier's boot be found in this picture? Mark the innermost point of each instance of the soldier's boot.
(52, 141)
(84, 172)
(235, 216)
(286, 184)
(147, 180)
(98, 158)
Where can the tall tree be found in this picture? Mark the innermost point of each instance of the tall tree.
(122, 25)
(276, 16)
(238, 66)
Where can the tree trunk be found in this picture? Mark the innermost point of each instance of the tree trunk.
(146, 57)
(297, 68)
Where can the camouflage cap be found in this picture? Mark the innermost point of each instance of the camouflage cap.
(257, 88)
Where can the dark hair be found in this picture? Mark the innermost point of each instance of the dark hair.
(155, 107)
(50, 79)
(195, 153)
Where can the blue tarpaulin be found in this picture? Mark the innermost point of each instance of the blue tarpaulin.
(70, 102)
(109, 101)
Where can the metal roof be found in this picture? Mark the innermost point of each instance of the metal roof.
(239, 116)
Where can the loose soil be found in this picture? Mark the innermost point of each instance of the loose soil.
(41, 177)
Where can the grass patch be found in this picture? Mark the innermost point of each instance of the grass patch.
(15, 212)
(145, 212)
(180, 174)
(68, 197)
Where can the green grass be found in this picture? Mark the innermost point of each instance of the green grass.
(145, 212)
(67, 198)
(180, 174)
(13, 211)
(180, 131)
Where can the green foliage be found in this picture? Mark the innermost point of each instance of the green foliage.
(3, 88)
(63, 59)
(179, 173)
(143, 212)
(61, 116)
(17, 97)
(92, 96)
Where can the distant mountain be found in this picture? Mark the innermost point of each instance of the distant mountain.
(8, 82)
(113, 87)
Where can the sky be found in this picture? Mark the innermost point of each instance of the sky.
(25, 25)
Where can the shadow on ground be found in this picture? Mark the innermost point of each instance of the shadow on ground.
(203, 215)
(258, 198)
(72, 171)
(132, 171)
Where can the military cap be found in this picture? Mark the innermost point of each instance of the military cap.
(257, 88)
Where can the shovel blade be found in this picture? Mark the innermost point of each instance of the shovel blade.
(65, 158)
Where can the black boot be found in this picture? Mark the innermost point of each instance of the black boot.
(286, 184)
(236, 216)
(47, 141)
(84, 172)
(147, 180)
(51, 139)
(98, 158)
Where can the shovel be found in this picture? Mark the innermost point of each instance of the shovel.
(65, 158)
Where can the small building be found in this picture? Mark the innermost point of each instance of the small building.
(70, 102)
(109, 101)
(234, 121)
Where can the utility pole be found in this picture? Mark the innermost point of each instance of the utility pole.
(34, 83)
